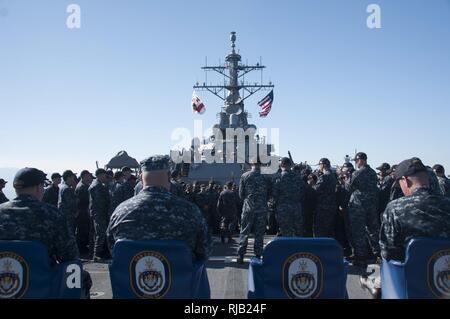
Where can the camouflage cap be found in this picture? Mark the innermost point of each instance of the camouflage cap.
(360, 155)
(325, 161)
(155, 163)
(27, 177)
(384, 167)
(285, 161)
(409, 167)
(68, 174)
(348, 165)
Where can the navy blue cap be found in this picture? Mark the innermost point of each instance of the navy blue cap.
(409, 167)
(86, 172)
(384, 167)
(286, 161)
(56, 175)
(68, 174)
(155, 163)
(325, 161)
(100, 171)
(28, 177)
(360, 155)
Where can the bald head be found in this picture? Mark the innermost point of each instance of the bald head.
(156, 178)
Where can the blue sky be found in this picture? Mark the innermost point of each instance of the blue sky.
(124, 80)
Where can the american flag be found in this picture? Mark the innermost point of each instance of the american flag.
(197, 104)
(266, 104)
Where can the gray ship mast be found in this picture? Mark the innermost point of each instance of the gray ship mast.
(233, 71)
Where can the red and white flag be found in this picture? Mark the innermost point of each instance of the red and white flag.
(197, 104)
(266, 104)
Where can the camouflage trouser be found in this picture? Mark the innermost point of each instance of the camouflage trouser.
(308, 222)
(82, 225)
(255, 220)
(364, 220)
(290, 221)
(324, 221)
(100, 222)
(227, 226)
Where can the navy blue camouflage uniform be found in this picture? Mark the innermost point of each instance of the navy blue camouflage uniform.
(123, 192)
(227, 208)
(99, 208)
(325, 211)
(444, 184)
(385, 186)
(363, 212)
(254, 191)
(51, 195)
(155, 213)
(26, 218)
(83, 220)
(67, 205)
(421, 214)
(3, 198)
(288, 194)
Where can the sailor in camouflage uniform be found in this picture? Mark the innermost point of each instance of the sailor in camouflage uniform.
(155, 213)
(67, 202)
(3, 198)
(362, 210)
(325, 212)
(99, 208)
(419, 214)
(123, 192)
(83, 221)
(52, 192)
(175, 187)
(28, 218)
(227, 208)
(444, 182)
(254, 191)
(288, 194)
(385, 183)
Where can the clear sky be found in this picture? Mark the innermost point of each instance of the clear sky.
(124, 80)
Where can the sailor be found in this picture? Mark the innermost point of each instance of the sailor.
(123, 192)
(66, 199)
(444, 182)
(343, 233)
(362, 211)
(254, 191)
(385, 183)
(212, 198)
(52, 192)
(127, 172)
(3, 198)
(83, 220)
(155, 213)
(175, 186)
(28, 218)
(289, 194)
(325, 212)
(418, 214)
(227, 208)
(99, 208)
(396, 191)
